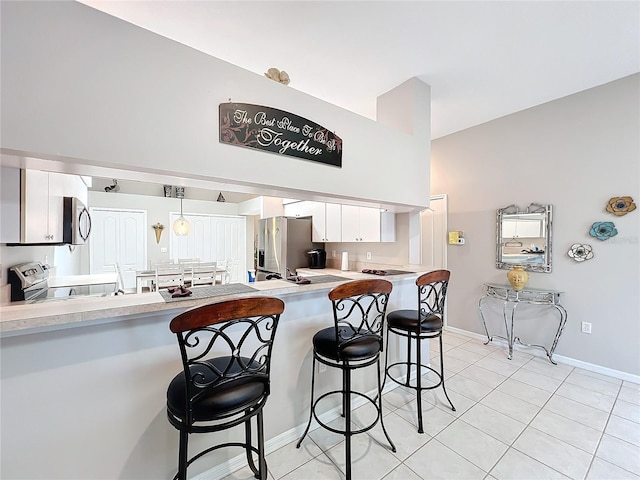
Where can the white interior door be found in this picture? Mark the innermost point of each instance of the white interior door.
(213, 238)
(433, 223)
(229, 243)
(195, 245)
(118, 236)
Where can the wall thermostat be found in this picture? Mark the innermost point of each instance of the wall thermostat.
(456, 238)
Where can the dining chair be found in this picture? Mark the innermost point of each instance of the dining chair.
(204, 273)
(169, 275)
(224, 270)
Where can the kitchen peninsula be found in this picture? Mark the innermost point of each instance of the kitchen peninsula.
(104, 364)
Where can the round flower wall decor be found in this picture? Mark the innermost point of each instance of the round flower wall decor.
(603, 230)
(620, 205)
(580, 252)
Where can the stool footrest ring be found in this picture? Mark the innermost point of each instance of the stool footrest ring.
(343, 432)
(216, 447)
(409, 365)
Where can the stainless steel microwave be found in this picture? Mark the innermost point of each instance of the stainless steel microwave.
(76, 222)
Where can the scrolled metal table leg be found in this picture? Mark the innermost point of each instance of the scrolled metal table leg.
(484, 323)
(563, 320)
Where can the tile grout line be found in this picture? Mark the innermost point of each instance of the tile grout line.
(603, 434)
(510, 446)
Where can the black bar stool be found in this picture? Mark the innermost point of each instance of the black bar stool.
(215, 393)
(422, 324)
(354, 341)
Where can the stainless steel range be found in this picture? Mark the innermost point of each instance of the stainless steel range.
(29, 283)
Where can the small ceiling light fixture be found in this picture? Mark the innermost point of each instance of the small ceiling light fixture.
(181, 226)
(221, 198)
(279, 76)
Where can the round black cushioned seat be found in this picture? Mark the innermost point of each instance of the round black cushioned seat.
(222, 400)
(325, 344)
(408, 320)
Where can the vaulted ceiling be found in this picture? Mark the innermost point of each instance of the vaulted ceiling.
(482, 59)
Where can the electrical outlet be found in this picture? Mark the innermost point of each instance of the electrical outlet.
(333, 254)
(586, 327)
(368, 255)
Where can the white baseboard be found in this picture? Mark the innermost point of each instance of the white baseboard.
(592, 367)
(293, 434)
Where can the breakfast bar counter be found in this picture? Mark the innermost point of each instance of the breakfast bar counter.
(98, 368)
(21, 317)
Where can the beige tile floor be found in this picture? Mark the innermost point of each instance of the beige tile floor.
(516, 419)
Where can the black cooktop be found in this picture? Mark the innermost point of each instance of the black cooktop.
(383, 273)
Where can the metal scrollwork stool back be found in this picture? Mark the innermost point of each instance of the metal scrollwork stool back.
(422, 324)
(226, 355)
(353, 342)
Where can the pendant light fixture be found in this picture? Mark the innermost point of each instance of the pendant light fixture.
(181, 226)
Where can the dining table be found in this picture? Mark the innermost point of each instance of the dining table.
(83, 280)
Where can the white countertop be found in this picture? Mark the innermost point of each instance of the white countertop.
(81, 280)
(19, 318)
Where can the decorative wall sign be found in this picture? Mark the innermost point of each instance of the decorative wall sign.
(277, 131)
(603, 230)
(620, 206)
(580, 252)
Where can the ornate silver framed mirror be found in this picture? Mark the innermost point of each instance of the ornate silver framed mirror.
(524, 237)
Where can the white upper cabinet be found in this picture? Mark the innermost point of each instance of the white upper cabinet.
(297, 209)
(332, 222)
(365, 224)
(522, 228)
(325, 219)
(360, 224)
(42, 198)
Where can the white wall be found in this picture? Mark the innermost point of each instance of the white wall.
(574, 153)
(93, 89)
(158, 210)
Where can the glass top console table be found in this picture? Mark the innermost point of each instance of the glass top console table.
(511, 299)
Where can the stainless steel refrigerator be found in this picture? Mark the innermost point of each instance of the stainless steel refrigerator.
(283, 243)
